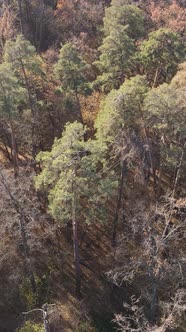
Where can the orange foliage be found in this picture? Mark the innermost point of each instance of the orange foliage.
(172, 16)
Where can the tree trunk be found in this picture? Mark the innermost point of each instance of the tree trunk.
(120, 192)
(79, 107)
(30, 19)
(149, 151)
(27, 253)
(76, 250)
(39, 26)
(6, 142)
(21, 16)
(45, 318)
(156, 77)
(153, 278)
(153, 304)
(14, 150)
(20, 213)
(178, 169)
(32, 110)
(55, 4)
(159, 180)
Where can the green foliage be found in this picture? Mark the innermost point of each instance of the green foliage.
(27, 294)
(121, 110)
(72, 70)
(76, 170)
(115, 60)
(129, 16)
(85, 327)
(160, 55)
(31, 327)
(165, 112)
(29, 298)
(123, 24)
(12, 95)
(20, 53)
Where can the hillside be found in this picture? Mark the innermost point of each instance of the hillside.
(92, 166)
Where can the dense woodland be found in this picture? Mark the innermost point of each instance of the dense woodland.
(92, 165)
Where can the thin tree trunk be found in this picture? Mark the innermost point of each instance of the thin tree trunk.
(32, 110)
(149, 152)
(76, 250)
(39, 26)
(154, 288)
(20, 213)
(174, 191)
(14, 149)
(21, 16)
(45, 314)
(6, 142)
(159, 65)
(156, 77)
(45, 318)
(55, 5)
(159, 180)
(120, 192)
(154, 300)
(79, 107)
(27, 253)
(29, 19)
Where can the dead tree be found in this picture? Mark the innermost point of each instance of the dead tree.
(21, 216)
(45, 315)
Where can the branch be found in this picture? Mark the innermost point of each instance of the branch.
(39, 309)
(28, 312)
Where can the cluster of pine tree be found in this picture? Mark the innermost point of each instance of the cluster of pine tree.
(93, 164)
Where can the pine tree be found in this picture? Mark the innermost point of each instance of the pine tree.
(11, 96)
(115, 61)
(126, 15)
(121, 127)
(77, 190)
(72, 71)
(27, 66)
(123, 25)
(165, 114)
(161, 54)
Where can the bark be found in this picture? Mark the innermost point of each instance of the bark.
(154, 296)
(79, 107)
(27, 253)
(21, 215)
(21, 16)
(153, 305)
(44, 311)
(156, 77)
(45, 318)
(159, 180)
(39, 26)
(29, 19)
(149, 152)
(178, 169)
(6, 142)
(14, 150)
(31, 104)
(76, 250)
(120, 192)
(159, 65)
(55, 5)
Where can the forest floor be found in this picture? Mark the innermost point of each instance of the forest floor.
(52, 259)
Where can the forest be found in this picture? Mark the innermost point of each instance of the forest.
(93, 165)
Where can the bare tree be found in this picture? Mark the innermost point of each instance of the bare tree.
(151, 258)
(134, 319)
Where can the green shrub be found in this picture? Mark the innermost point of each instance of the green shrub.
(31, 327)
(85, 327)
